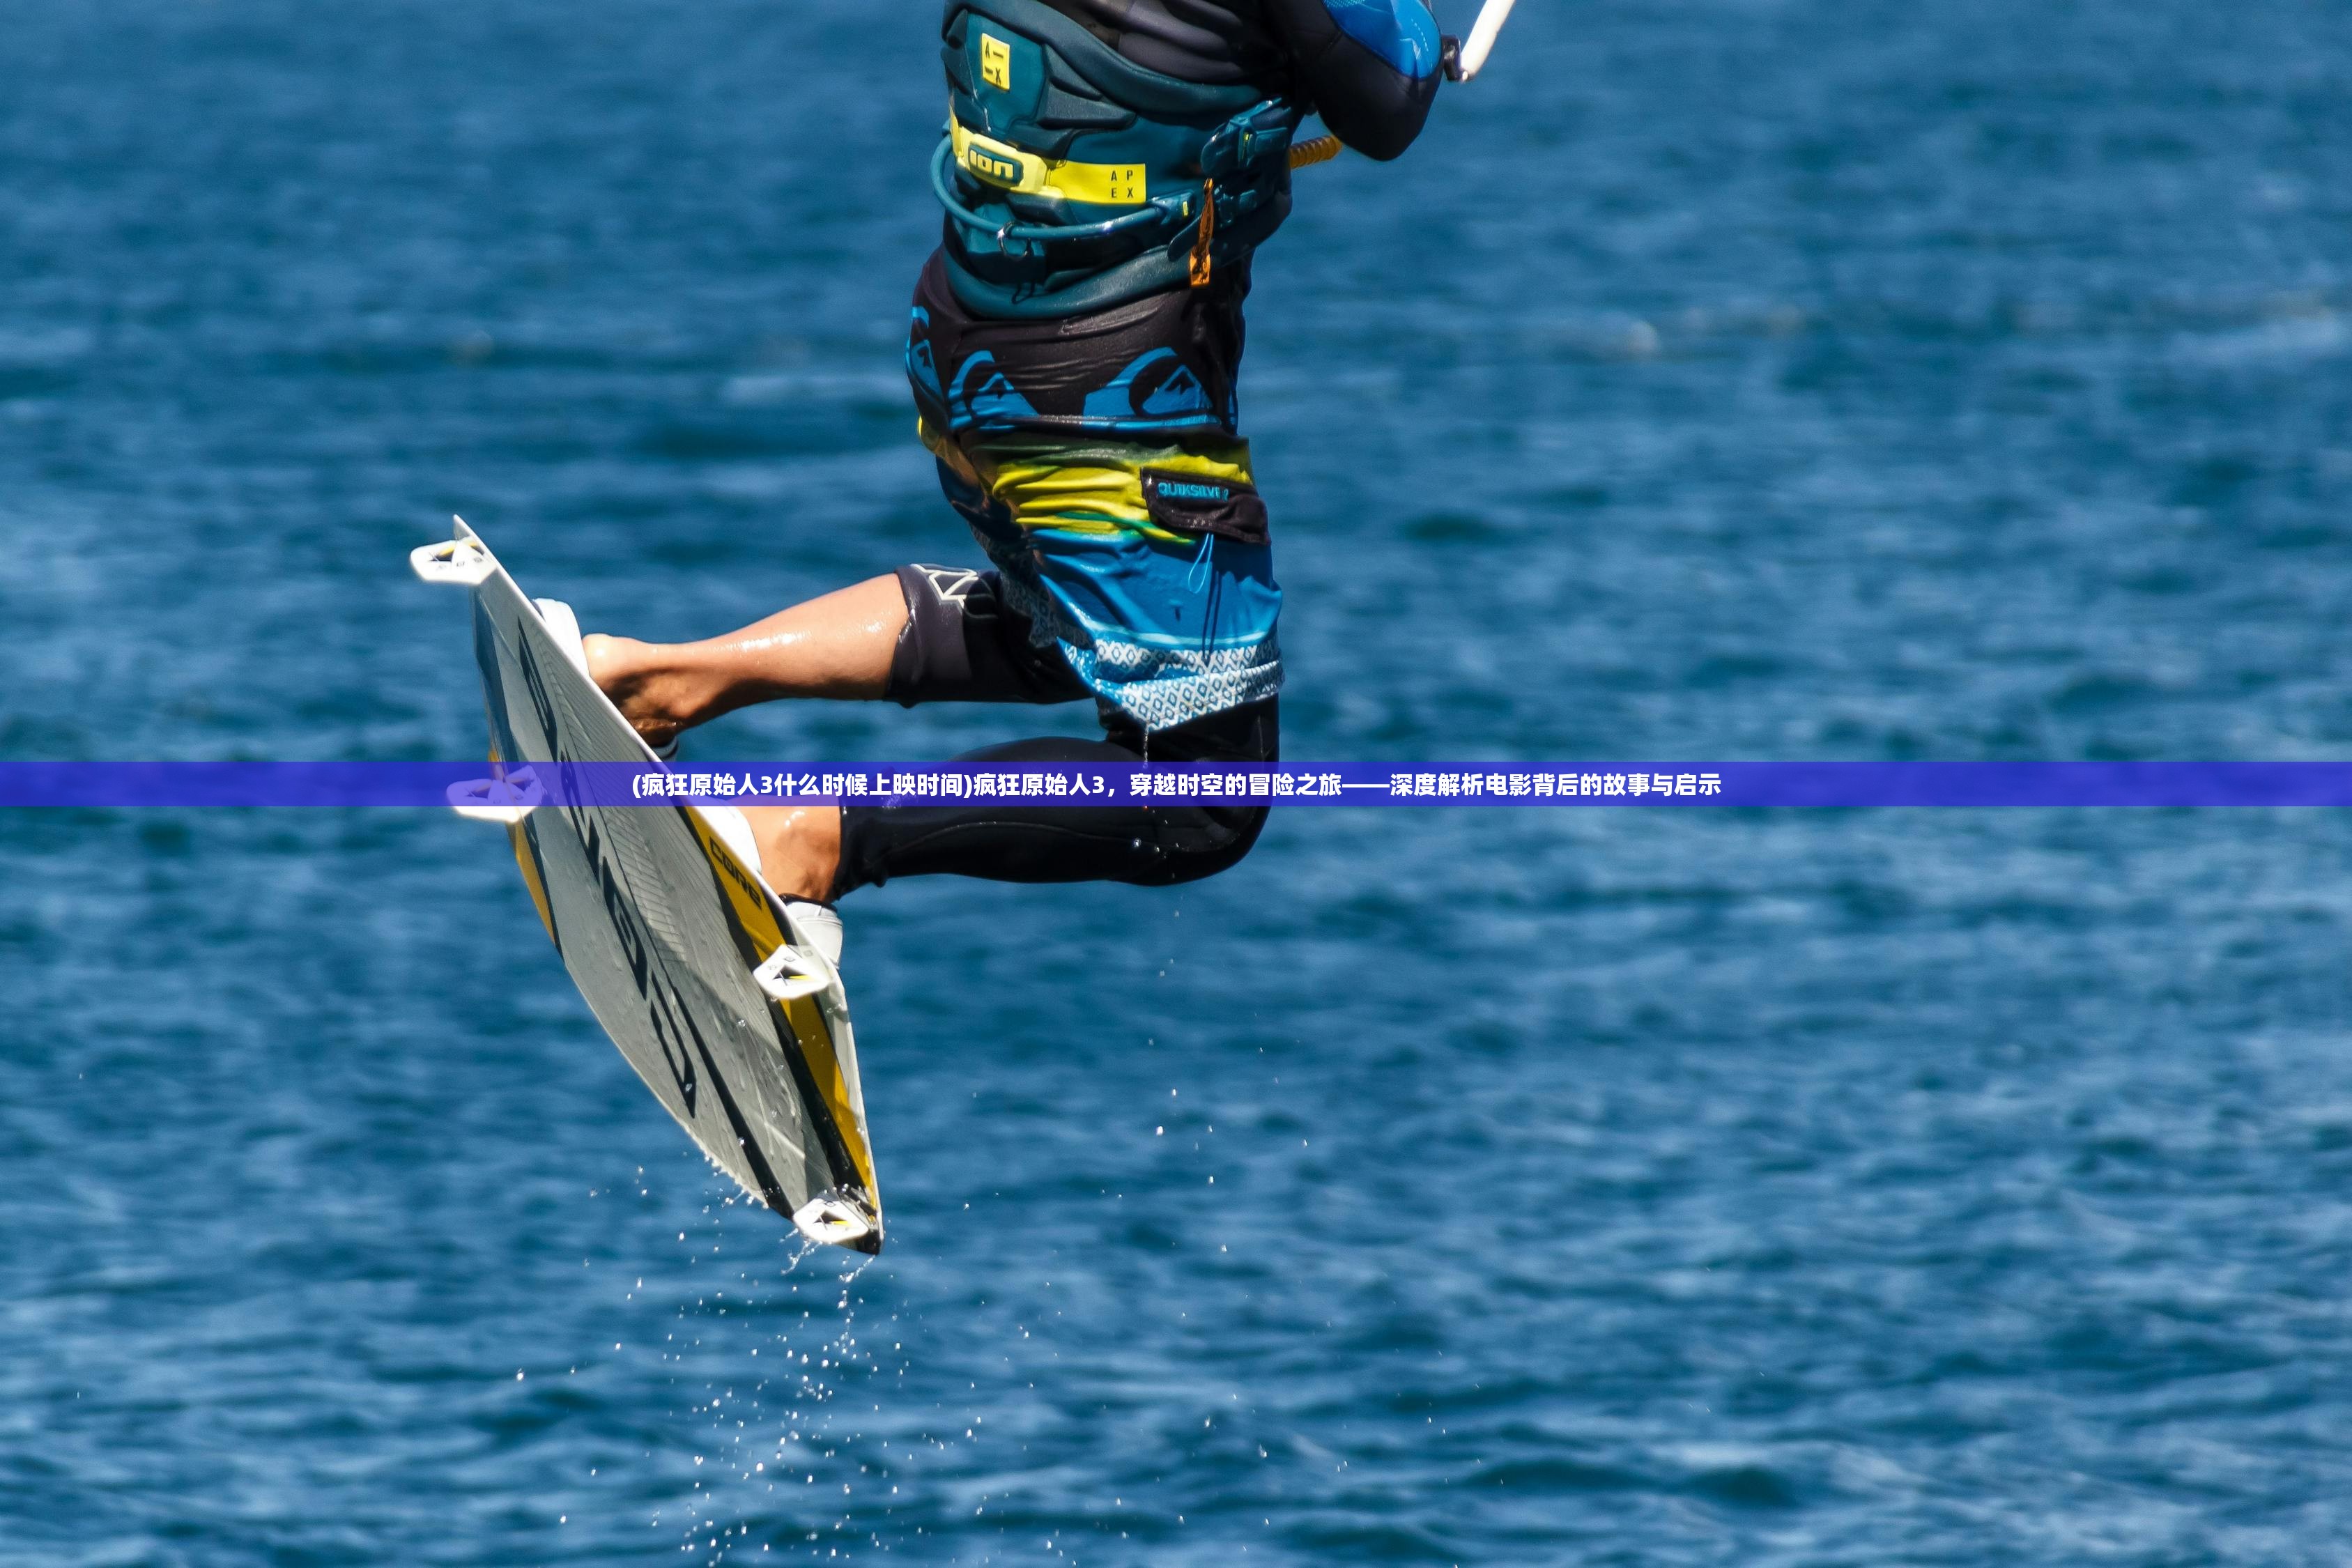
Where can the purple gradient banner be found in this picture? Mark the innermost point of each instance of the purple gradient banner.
(1082, 784)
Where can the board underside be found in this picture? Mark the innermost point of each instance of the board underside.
(661, 927)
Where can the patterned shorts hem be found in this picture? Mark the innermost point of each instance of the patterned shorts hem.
(1182, 689)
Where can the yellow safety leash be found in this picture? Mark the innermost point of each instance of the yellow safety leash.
(1322, 150)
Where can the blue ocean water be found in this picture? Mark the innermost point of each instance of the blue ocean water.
(1720, 379)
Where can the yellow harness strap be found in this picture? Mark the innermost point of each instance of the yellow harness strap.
(1008, 168)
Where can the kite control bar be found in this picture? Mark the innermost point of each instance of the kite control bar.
(1465, 57)
(1462, 58)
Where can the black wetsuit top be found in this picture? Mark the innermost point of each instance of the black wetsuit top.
(1374, 94)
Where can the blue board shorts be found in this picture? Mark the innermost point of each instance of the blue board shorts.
(1149, 566)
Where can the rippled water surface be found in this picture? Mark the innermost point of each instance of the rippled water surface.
(1720, 379)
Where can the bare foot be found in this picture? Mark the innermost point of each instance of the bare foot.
(649, 697)
(799, 847)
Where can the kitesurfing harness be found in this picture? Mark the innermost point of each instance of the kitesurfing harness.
(1076, 180)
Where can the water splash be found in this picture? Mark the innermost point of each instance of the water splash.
(780, 1461)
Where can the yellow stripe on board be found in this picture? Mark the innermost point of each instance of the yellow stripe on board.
(533, 878)
(804, 1018)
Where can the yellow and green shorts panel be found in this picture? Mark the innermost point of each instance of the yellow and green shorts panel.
(1100, 545)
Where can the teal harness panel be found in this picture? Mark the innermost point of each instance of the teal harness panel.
(1076, 180)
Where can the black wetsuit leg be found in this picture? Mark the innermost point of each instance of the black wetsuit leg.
(962, 643)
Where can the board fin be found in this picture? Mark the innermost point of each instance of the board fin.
(460, 563)
(839, 1219)
(505, 801)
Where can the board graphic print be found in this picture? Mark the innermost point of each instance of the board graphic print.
(734, 1017)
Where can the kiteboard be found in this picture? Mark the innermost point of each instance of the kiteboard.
(724, 997)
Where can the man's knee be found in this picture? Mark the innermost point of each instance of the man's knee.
(962, 643)
(1201, 849)
(1249, 734)
(1201, 841)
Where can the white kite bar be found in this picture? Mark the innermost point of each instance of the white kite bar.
(1482, 32)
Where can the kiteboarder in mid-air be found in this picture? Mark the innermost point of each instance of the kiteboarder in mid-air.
(1109, 172)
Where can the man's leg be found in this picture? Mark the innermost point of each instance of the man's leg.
(925, 634)
(839, 645)
(800, 848)
(1154, 846)
(820, 852)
